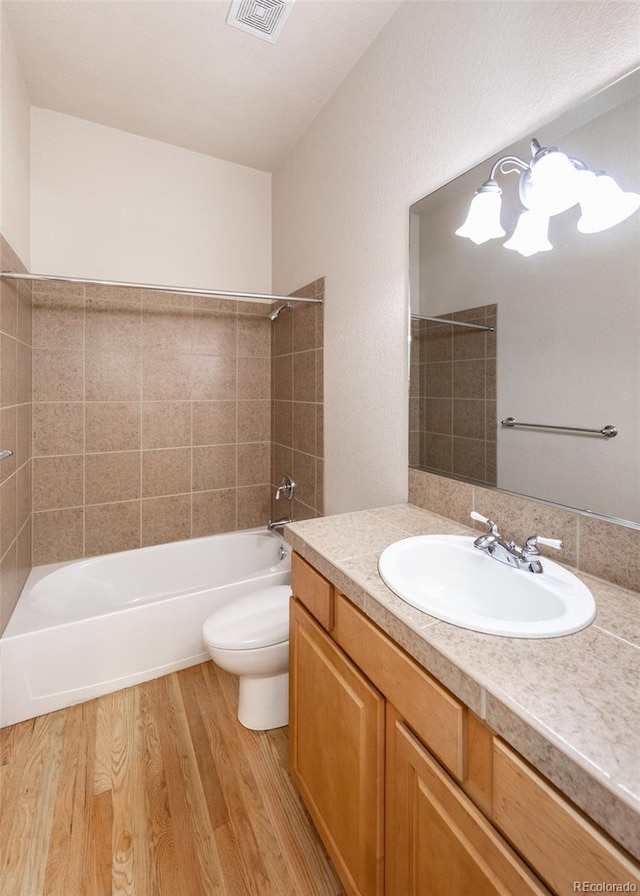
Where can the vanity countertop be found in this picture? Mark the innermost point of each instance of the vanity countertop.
(570, 705)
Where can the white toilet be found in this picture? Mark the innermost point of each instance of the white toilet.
(249, 637)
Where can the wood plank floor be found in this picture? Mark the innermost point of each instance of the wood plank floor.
(156, 790)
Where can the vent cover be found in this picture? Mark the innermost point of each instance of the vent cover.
(262, 18)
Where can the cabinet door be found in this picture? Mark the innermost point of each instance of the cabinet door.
(336, 753)
(437, 842)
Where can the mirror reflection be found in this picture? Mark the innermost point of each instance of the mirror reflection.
(551, 337)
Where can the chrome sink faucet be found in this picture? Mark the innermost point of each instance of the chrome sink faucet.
(526, 557)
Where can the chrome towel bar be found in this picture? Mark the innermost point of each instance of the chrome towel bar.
(607, 431)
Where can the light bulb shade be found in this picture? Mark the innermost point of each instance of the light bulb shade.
(603, 203)
(552, 183)
(483, 220)
(530, 235)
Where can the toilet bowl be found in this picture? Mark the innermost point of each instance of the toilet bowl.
(249, 637)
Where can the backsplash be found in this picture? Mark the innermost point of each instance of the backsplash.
(15, 433)
(605, 549)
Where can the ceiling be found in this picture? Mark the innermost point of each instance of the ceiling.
(174, 71)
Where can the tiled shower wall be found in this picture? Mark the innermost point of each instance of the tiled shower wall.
(15, 433)
(453, 425)
(297, 407)
(151, 418)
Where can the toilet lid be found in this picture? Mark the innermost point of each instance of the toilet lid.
(258, 619)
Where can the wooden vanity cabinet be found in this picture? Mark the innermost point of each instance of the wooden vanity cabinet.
(336, 753)
(429, 802)
(438, 842)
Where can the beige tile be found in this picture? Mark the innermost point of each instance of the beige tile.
(304, 427)
(253, 506)
(254, 378)
(23, 433)
(25, 313)
(166, 519)
(112, 426)
(283, 378)
(282, 333)
(214, 378)
(166, 424)
(58, 482)
(9, 441)
(23, 374)
(439, 380)
(281, 463)
(305, 327)
(8, 512)
(9, 589)
(110, 324)
(215, 333)
(24, 543)
(443, 496)
(469, 458)
(58, 375)
(58, 535)
(214, 512)
(214, 422)
(57, 288)
(8, 370)
(304, 376)
(320, 486)
(114, 476)
(214, 467)
(304, 474)
(9, 307)
(436, 451)
(58, 428)
(166, 330)
(254, 463)
(610, 551)
(112, 527)
(319, 430)
(283, 422)
(166, 377)
(162, 299)
(254, 421)
(469, 418)
(254, 336)
(166, 472)
(58, 322)
(112, 375)
(132, 295)
(438, 415)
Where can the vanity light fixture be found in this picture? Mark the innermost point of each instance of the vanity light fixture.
(549, 184)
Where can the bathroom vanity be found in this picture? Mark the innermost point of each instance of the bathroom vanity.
(436, 760)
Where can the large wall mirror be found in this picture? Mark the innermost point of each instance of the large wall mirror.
(549, 340)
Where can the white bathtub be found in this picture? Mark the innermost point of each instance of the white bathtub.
(93, 626)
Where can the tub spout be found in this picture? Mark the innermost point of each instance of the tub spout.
(272, 525)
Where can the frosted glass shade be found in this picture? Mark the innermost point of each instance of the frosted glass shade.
(483, 220)
(530, 235)
(603, 203)
(553, 184)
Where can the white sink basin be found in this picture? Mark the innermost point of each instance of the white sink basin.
(445, 576)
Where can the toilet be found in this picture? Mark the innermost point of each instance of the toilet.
(249, 637)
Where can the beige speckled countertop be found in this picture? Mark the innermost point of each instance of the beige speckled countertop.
(570, 705)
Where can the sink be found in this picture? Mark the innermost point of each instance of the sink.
(446, 577)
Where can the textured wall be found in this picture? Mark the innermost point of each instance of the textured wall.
(444, 86)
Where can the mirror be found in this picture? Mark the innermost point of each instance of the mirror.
(554, 339)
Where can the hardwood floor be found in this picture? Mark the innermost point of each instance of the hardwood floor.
(156, 790)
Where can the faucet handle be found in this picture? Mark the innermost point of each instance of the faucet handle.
(493, 527)
(530, 547)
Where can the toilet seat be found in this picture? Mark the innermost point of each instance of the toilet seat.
(259, 619)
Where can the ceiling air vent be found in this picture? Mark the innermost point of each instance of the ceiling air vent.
(262, 18)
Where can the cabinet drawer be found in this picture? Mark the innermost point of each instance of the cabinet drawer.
(556, 840)
(435, 716)
(313, 591)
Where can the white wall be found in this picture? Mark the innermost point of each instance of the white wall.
(115, 206)
(14, 148)
(444, 86)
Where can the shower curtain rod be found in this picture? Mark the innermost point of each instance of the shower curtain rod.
(182, 290)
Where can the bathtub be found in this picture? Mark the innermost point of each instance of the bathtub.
(93, 626)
